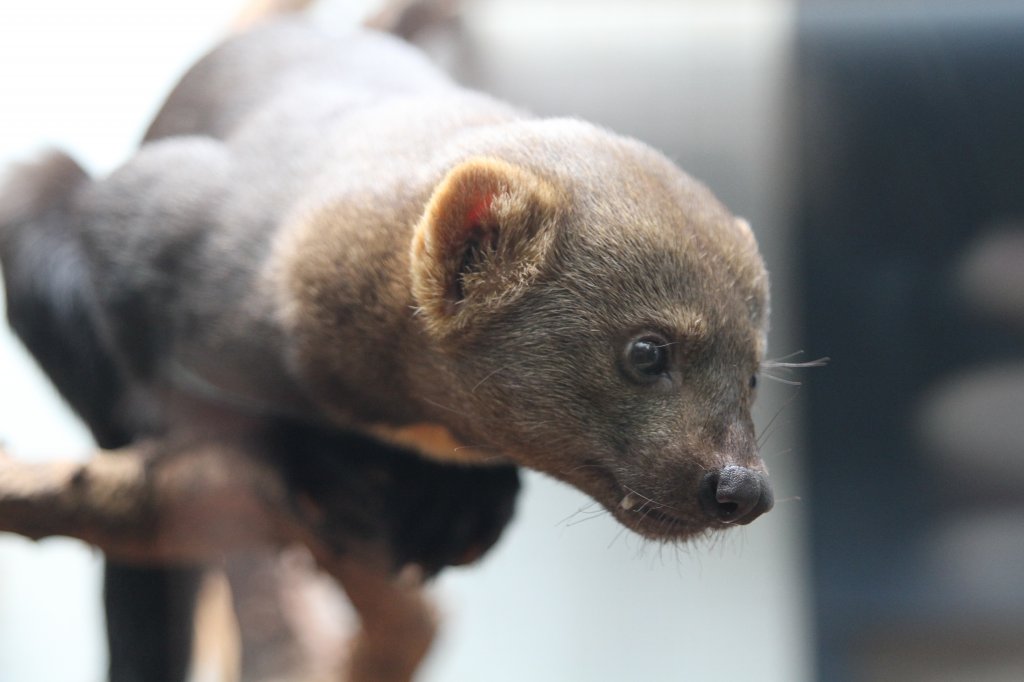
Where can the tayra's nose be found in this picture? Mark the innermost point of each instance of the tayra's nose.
(735, 494)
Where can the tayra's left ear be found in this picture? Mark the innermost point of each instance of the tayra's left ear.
(746, 232)
(482, 240)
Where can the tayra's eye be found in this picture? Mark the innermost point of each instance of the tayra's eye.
(647, 357)
(753, 382)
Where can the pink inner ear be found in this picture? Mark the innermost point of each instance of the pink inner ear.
(479, 211)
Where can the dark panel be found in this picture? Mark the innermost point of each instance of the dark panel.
(912, 148)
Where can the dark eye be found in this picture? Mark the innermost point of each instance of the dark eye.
(753, 382)
(647, 357)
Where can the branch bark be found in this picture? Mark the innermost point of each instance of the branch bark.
(206, 503)
(150, 506)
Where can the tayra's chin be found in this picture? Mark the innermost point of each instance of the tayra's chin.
(656, 521)
(648, 517)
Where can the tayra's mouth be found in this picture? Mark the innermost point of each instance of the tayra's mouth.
(651, 518)
(644, 515)
(649, 509)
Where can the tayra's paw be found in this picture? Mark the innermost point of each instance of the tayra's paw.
(364, 493)
(452, 514)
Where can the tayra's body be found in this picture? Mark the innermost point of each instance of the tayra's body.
(325, 232)
(408, 257)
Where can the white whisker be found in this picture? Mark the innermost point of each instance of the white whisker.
(785, 364)
(788, 382)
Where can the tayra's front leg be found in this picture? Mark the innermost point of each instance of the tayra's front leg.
(413, 511)
(397, 624)
(385, 521)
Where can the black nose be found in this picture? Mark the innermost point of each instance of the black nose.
(735, 494)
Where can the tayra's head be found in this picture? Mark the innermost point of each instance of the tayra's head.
(604, 319)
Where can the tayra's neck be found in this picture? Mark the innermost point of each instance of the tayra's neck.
(344, 301)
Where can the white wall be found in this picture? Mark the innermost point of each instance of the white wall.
(558, 600)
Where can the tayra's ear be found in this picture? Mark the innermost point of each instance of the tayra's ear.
(482, 240)
(746, 232)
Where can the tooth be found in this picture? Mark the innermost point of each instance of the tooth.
(629, 501)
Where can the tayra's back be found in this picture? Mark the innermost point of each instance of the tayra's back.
(265, 127)
(103, 276)
(291, 60)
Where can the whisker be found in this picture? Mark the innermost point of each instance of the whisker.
(788, 382)
(783, 362)
(596, 514)
(581, 466)
(763, 438)
(637, 493)
(616, 538)
(780, 453)
(768, 432)
(491, 374)
(581, 510)
(443, 407)
(784, 359)
(647, 501)
(820, 362)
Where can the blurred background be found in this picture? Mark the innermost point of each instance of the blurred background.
(878, 150)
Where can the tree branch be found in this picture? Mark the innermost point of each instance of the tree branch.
(195, 505)
(149, 504)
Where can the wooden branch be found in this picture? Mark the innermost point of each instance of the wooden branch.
(202, 504)
(195, 505)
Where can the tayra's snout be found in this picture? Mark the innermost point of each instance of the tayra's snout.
(735, 494)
